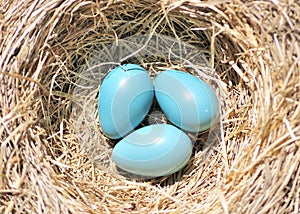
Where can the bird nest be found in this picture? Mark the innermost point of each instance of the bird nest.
(54, 55)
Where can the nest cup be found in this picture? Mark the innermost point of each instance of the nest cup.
(53, 155)
(157, 53)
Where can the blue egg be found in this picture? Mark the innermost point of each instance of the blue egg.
(154, 150)
(124, 100)
(187, 101)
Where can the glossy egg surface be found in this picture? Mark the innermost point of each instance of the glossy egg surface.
(153, 150)
(125, 97)
(187, 101)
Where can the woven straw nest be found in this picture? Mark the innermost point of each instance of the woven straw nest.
(254, 51)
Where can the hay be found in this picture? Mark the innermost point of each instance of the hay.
(254, 49)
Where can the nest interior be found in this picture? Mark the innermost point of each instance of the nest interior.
(254, 49)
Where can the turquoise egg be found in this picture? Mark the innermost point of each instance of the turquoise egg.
(154, 150)
(124, 100)
(187, 101)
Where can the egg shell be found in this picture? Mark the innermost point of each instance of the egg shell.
(154, 150)
(124, 100)
(187, 101)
